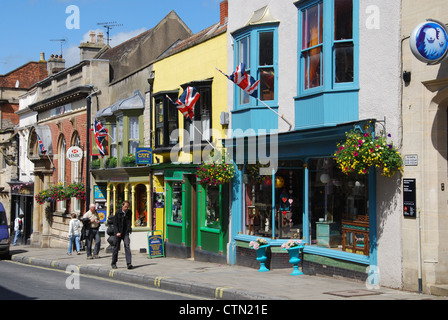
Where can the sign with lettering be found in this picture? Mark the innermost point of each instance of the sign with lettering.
(409, 198)
(74, 154)
(143, 156)
(155, 244)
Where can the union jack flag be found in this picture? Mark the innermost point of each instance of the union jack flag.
(186, 102)
(100, 133)
(245, 81)
(42, 148)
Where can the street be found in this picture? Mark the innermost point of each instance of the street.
(22, 282)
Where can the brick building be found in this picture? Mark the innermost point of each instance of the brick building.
(12, 85)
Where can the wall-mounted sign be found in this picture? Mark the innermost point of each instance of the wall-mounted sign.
(411, 160)
(428, 41)
(143, 156)
(74, 154)
(409, 198)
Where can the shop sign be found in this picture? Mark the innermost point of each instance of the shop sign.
(409, 198)
(143, 156)
(429, 42)
(74, 154)
(155, 244)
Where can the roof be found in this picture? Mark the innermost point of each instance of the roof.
(196, 39)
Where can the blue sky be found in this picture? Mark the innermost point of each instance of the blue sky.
(28, 26)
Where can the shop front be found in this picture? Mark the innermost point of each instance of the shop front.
(196, 215)
(309, 198)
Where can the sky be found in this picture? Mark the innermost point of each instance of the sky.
(29, 27)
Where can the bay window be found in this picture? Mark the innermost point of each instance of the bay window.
(257, 49)
(328, 48)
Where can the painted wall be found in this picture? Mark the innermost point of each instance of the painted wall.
(186, 66)
(240, 13)
(379, 98)
(424, 107)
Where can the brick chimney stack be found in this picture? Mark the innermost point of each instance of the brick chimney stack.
(224, 11)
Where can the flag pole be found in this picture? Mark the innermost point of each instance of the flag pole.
(279, 115)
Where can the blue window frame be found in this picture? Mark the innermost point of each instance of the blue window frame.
(328, 46)
(257, 48)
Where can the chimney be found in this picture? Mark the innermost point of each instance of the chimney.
(92, 37)
(88, 50)
(42, 57)
(55, 64)
(224, 11)
(100, 38)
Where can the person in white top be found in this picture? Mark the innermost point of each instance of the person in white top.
(74, 233)
(18, 228)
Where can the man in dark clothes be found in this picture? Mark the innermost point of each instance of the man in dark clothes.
(123, 228)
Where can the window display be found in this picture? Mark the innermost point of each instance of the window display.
(176, 202)
(338, 208)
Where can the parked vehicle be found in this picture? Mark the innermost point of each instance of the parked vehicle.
(4, 233)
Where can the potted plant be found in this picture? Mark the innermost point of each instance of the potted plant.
(129, 160)
(361, 150)
(111, 162)
(95, 164)
(293, 247)
(260, 246)
(218, 169)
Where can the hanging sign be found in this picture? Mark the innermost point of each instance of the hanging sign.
(74, 154)
(409, 198)
(143, 156)
(429, 42)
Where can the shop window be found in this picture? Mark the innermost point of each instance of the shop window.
(211, 214)
(338, 208)
(176, 202)
(141, 213)
(113, 141)
(288, 201)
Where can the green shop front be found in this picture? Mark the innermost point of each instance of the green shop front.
(307, 198)
(196, 215)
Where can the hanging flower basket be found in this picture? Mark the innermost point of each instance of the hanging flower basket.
(53, 194)
(76, 190)
(216, 170)
(360, 151)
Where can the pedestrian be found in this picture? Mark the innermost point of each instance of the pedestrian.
(74, 234)
(92, 222)
(122, 229)
(18, 228)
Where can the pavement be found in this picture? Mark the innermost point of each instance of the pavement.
(211, 280)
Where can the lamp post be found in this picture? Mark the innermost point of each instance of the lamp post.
(89, 107)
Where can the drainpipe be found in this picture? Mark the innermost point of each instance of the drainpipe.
(419, 254)
(89, 120)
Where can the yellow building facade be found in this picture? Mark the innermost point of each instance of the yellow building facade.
(194, 216)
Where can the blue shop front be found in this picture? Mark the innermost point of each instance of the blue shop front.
(304, 197)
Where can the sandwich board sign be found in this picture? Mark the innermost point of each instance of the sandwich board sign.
(155, 244)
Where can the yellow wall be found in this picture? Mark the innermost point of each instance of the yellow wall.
(196, 63)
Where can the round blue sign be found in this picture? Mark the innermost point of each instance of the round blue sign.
(429, 42)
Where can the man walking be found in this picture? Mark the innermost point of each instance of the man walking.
(92, 223)
(122, 229)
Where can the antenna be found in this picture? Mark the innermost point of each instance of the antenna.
(62, 41)
(108, 26)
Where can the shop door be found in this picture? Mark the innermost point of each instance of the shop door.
(194, 220)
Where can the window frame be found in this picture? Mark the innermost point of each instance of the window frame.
(165, 124)
(329, 45)
(253, 67)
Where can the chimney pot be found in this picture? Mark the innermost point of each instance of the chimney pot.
(92, 37)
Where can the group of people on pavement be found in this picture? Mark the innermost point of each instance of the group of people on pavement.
(87, 227)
